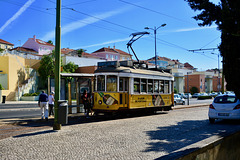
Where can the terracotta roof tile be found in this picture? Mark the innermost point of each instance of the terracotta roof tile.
(23, 49)
(5, 42)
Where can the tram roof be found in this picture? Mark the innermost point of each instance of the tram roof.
(76, 75)
(132, 70)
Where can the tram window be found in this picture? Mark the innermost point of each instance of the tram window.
(161, 86)
(121, 84)
(143, 85)
(112, 83)
(126, 84)
(150, 85)
(136, 85)
(100, 83)
(156, 86)
(166, 87)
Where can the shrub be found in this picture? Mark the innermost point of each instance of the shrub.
(1, 88)
(30, 94)
(204, 97)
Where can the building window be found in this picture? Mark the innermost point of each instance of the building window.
(106, 56)
(123, 58)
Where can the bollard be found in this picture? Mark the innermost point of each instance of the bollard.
(3, 99)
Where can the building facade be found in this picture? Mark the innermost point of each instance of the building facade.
(5, 45)
(41, 47)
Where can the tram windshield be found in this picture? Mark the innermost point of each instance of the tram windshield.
(111, 83)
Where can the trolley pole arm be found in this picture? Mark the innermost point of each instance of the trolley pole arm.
(129, 44)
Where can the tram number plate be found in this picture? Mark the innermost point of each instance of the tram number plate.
(223, 114)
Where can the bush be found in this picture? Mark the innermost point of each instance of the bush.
(204, 97)
(30, 94)
(194, 90)
(1, 88)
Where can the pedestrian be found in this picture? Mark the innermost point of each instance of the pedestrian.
(43, 104)
(51, 103)
(86, 103)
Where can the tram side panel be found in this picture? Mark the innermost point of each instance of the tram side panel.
(148, 101)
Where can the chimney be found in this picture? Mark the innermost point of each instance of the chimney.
(34, 38)
(109, 47)
(114, 47)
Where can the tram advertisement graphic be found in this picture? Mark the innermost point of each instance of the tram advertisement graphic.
(108, 99)
(157, 100)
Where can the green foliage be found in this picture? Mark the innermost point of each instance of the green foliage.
(1, 50)
(80, 52)
(30, 94)
(50, 42)
(204, 97)
(226, 17)
(1, 87)
(194, 90)
(46, 67)
(175, 90)
(69, 68)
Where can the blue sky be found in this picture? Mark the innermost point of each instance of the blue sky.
(93, 24)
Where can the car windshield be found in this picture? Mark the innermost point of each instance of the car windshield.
(225, 99)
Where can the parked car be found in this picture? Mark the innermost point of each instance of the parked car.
(186, 95)
(181, 95)
(224, 107)
(213, 94)
(195, 95)
(178, 99)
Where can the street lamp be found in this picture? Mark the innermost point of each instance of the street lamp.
(155, 34)
(218, 86)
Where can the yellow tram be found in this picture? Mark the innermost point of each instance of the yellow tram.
(121, 86)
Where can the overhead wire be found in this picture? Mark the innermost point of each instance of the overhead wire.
(161, 41)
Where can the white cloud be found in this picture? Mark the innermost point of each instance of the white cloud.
(104, 43)
(82, 23)
(16, 15)
(193, 29)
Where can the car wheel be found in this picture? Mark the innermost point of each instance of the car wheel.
(211, 120)
(183, 103)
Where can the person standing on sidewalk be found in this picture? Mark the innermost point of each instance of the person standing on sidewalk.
(43, 104)
(86, 103)
(51, 103)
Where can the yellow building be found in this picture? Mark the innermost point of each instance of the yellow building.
(5, 45)
(12, 73)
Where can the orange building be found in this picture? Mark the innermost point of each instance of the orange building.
(195, 80)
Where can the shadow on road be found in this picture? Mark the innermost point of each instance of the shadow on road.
(172, 138)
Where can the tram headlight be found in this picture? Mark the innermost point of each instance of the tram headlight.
(99, 102)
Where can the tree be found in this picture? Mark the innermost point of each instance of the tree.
(226, 17)
(70, 67)
(46, 68)
(50, 42)
(80, 52)
(194, 90)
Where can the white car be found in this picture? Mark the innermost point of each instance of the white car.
(224, 107)
(178, 99)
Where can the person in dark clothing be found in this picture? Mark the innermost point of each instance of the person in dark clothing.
(86, 102)
(43, 104)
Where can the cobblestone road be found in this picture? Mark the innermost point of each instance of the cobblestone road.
(145, 137)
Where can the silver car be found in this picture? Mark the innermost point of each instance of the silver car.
(178, 99)
(224, 107)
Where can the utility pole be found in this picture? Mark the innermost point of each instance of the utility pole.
(56, 125)
(155, 37)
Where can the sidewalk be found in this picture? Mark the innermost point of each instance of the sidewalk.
(72, 116)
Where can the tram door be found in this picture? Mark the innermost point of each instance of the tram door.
(124, 91)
